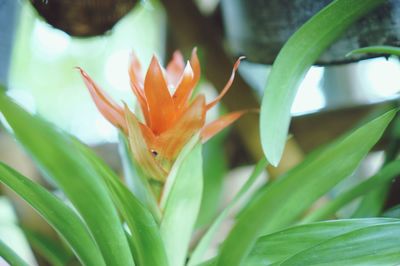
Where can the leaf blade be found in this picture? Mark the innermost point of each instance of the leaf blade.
(146, 239)
(56, 213)
(373, 245)
(196, 257)
(384, 176)
(10, 256)
(279, 246)
(56, 157)
(292, 63)
(285, 199)
(378, 49)
(182, 206)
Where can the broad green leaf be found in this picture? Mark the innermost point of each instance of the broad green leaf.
(62, 218)
(379, 49)
(372, 245)
(293, 62)
(282, 202)
(136, 180)
(10, 256)
(205, 241)
(146, 239)
(276, 247)
(49, 249)
(384, 176)
(182, 203)
(54, 153)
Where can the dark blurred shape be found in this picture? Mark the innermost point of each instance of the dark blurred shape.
(83, 18)
(9, 10)
(259, 28)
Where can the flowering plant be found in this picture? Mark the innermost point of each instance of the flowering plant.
(150, 216)
(170, 120)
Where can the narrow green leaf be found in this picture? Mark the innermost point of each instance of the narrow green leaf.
(373, 245)
(384, 176)
(146, 239)
(182, 205)
(281, 203)
(10, 256)
(281, 245)
(293, 62)
(49, 249)
(379, 49)
(64, 220)
(372, 204)
(205, 241)
(54, 153)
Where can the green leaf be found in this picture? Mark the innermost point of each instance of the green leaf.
(62, 218)
(282, 202)
(182, 202)
(384, 176)
(373, 245)
(10, 256)
(136, 179)
(54, 153)
(146, 239)
(281, 245)
(49, 249)
(293, 62)
(373, 203)
(205, 241)
(379, 49)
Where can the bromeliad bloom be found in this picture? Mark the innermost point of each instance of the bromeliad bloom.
(170, 116)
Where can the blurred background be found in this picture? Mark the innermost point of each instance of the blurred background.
(42, 41)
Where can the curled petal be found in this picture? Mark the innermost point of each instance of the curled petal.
(227, 86)
(218, 125)
(192, 120)
(107, 107)
(184, 89)
(140, 150)
(175, 68)
(160, 102)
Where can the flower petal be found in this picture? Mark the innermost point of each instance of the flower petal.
(188, 82)
(160, 102)
(227, 86)
(136, 82)
(135, 71)
(192, 120)
(175, 68)
(107, 107)
(140, 150)
(218, 125)
(184, 89)
(195, 63)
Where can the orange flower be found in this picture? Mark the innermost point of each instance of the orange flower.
(170, 119)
